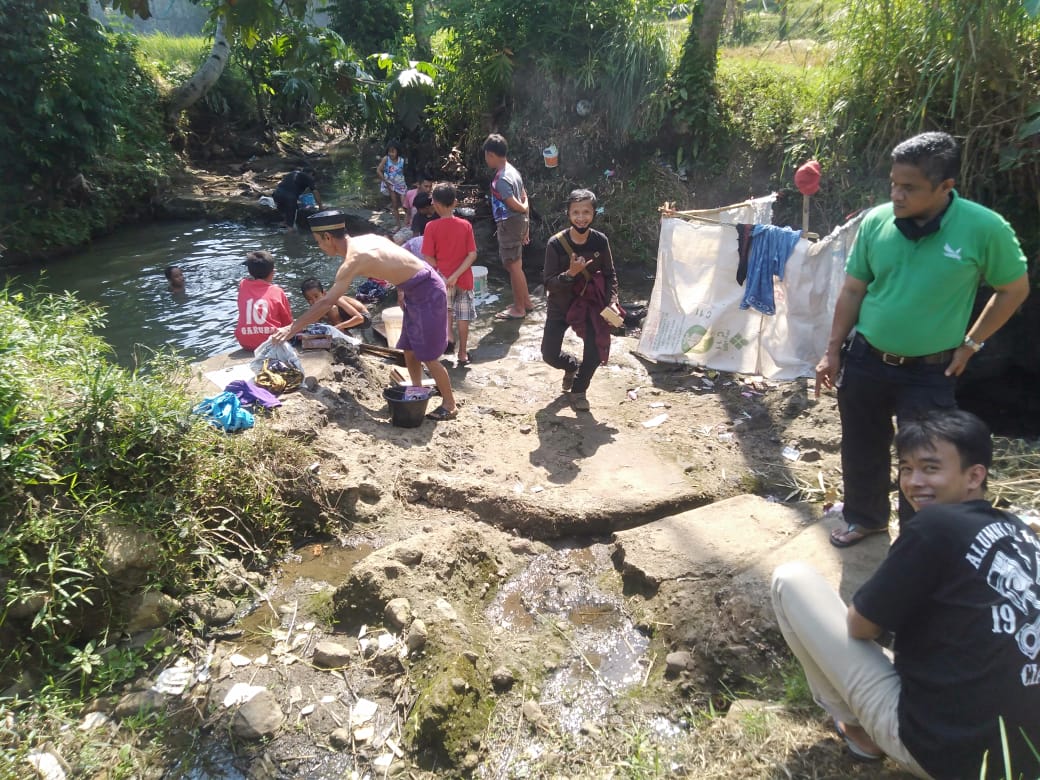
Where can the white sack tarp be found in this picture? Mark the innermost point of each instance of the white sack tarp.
(694, 316)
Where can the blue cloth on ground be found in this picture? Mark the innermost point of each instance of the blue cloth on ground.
(770, 248)
(225, 412)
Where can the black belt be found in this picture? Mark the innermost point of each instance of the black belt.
(890, 359)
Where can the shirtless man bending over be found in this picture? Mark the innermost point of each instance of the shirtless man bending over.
(424, 332)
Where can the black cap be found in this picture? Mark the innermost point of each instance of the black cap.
(422, 200)
(327, 220)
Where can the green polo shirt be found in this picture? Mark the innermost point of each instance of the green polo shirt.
(920, 293)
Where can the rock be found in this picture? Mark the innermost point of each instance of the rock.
(446, 610)
(258, 718)
(398, 613)
(213, 611)
(48, 765)
(590, 728)
(470, 656)
(233, 577)
(810, 456)
(459, 685)
(502, 678)
(525, 429)
(741, 707)
(470, 762)
(521, 546)
(533, 714)
(151, 609)
(332, 655)
(679, 661)
(158, 637)
(415, 639)
(340, 738)
(138, 703)
(408, 555)
(310, 383)
(388, 663)
(130, 553)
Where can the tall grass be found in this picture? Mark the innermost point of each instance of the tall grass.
(969, 67)
(85, 445)
(171, 52)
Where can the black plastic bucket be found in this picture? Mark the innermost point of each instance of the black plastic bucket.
(407, 413)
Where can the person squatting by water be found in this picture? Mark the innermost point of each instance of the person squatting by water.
(287, 194)
(424, 330)
(960, 591)
(901, 333)
(580, 282)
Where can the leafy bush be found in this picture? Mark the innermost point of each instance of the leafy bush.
(81, 140)
(762, 104)
(84, 443)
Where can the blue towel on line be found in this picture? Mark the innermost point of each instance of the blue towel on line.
(770, 248)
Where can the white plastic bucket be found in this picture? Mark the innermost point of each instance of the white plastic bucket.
(551, 155)
(480, 288)
(393, 319)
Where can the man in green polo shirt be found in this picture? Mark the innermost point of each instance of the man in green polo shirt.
(901, 332)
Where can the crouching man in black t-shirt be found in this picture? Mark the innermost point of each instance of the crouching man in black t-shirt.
(960, 590)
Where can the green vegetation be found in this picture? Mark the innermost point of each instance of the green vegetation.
(81, 137)
(86, 447)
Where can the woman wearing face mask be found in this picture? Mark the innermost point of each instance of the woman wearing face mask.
(580, 283)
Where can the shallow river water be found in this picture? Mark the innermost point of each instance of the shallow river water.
(124, 273)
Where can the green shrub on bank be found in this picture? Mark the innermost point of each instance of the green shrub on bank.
(81, 137)
(85, 445)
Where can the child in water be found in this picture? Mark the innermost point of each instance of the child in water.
(175, 276)
(348, 313)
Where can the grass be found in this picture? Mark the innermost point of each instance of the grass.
(84, 446)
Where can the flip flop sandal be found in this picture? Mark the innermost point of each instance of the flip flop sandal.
(857, 752)
(440, 414)
(505, 315)
(858, 532)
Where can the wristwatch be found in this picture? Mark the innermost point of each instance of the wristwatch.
(974, 345)
(567, 277)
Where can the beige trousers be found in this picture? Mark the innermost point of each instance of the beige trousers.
(854, 680)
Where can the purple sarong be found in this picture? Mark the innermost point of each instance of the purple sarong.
(425, 327)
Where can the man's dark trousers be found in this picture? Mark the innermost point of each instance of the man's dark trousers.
(870, 392)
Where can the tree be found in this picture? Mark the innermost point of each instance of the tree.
(693, 94)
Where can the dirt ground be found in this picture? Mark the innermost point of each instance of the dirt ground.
(527, 591)
(518, 535)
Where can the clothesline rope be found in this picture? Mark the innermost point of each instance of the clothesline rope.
(701, 215)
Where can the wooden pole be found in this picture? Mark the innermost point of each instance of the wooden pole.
(805, 213)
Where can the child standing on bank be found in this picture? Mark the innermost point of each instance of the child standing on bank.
(509, 207)
(262, 306)
(391, 180)
(580, 283)
(449, 246)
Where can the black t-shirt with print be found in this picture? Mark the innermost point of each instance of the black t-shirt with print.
(960, 589)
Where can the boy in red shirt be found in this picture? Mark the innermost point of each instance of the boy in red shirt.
(262, 306)
(449, 246)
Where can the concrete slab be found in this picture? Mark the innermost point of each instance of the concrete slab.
(743, 539)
